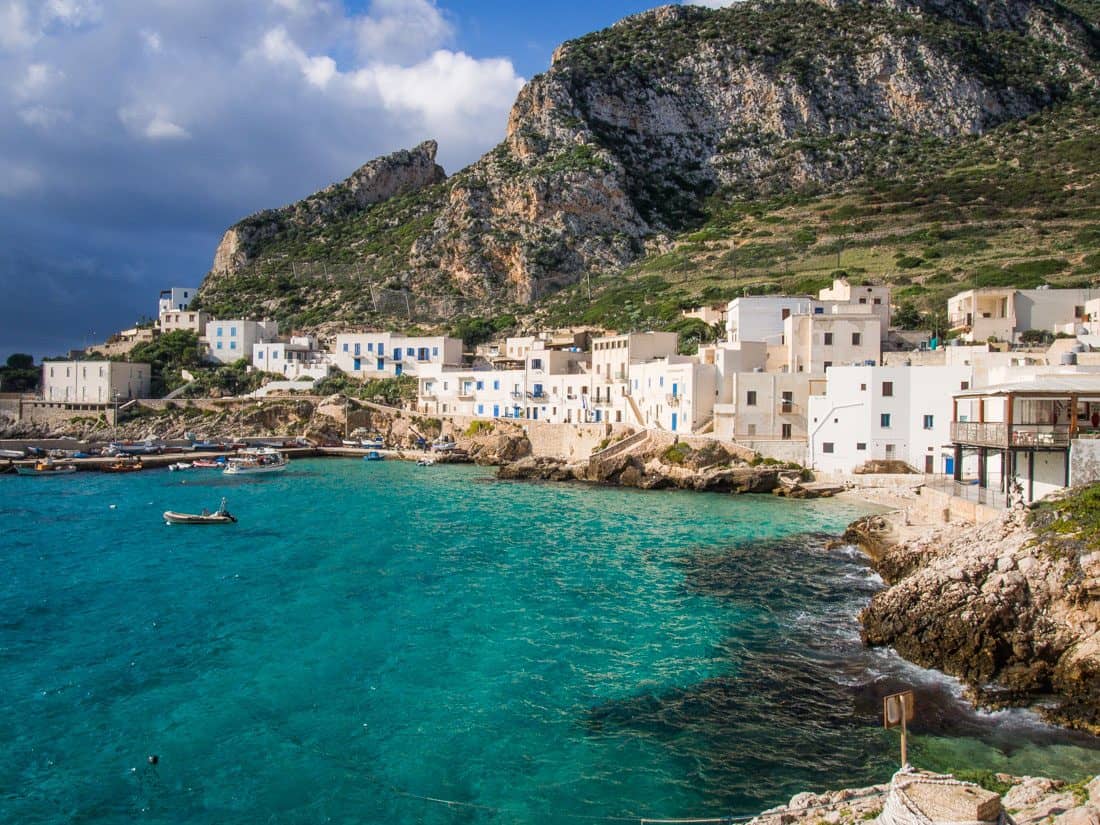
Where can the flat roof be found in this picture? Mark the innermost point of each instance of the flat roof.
(1079, 384)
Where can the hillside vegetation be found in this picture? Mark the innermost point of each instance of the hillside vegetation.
(687, 155)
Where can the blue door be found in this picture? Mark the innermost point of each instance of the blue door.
(949, 466)
(381, 365)
(674, 422)
(496, 410)
(535, 413)
(358, 364)
(397, 369)
(674, 394)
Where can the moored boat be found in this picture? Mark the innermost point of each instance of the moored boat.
(373, 455)
(250, 462)
(220, 516)
(12, 454)
(207, 463)
(125, 464)
(180, 465)
(46, 468)
(425, 462)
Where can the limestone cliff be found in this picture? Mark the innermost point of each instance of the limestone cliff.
(374, 182)
(622, 141)
(1012, 607)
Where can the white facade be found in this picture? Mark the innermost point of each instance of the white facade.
(761, 317)
(229, 341)
(875, 298)
(980, 314)
(510, 393)
(94, 382)
(675, 393)
(386, 354)
(819, 341)
(189, 320)
(765, 406)
(295, 359)
(176, 299)
(885, 413)
(613, 354)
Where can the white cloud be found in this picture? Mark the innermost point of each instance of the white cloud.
(37, 80)
(16, 31)
(44, 117)
(151, 123)
(402, 29)
(151, 41)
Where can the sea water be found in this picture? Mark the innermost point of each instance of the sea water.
(380, 642)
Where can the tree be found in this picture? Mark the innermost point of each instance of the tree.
(19, 374)
(908, 317)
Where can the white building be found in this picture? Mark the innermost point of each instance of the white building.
(94, 382)
(176, 299)
(1003, 313)
(229, 341)
(761, 317)
(188, 320)
(818, 341)
(885, 413)
(674, 393)
(876, 298)
(298, 358)
(387, 354)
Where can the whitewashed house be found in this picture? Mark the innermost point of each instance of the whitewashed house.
(387, 354)
(94, 382)
(299, 358)
(231, 340)
(885, 413)
(175, 299)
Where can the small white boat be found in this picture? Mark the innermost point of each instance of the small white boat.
(180, 465)
(425, 462)
(46, 468)
(250, 462)
(12, 454)
(221, 516)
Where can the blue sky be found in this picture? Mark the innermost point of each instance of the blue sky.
(133, 132)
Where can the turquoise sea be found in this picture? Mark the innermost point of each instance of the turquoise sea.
(378, 642)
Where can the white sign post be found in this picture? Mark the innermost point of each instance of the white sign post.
(897, 711)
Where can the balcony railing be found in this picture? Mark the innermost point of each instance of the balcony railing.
(999, 434)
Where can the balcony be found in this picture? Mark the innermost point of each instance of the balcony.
(539, 397)
(999, 435)
(672, 400)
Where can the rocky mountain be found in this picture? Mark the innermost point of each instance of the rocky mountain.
(637, 131)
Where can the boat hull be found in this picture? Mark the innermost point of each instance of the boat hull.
(31, 471)
(171, 517)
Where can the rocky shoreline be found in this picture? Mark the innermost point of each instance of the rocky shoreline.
(1010, 607)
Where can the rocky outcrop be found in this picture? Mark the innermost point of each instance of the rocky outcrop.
(622, 140)
(1030, 800)
(1010, 607)
(374, 182)
(654, 466)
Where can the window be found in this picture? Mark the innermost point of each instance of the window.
(878, 301)
(536, 363)
(219, 344)
(964, 385)
(274, 353)
(828, 339)
(861, 445)
(788, 401)
(496, 384)
(890, 449)
(232, 344)
(856, 339)
(828, 364)
(661, 381)
(827, 447)
(358, 351)
(220, 332)
(884, 421)
(185, 295)
(397, 353)
(863, 387)
(887, 389)
(786, 432)
(928, 422)
(863, 300)
(370, 346)
(751, 429)
(480, 385)
(435, 351)
(409, 351)
(480, 409)
(750, 398)
(345, 347)
(233, 332)
(784, 315)
(819, 310)
(260, 355)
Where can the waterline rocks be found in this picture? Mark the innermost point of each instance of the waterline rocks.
(1011, 607)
